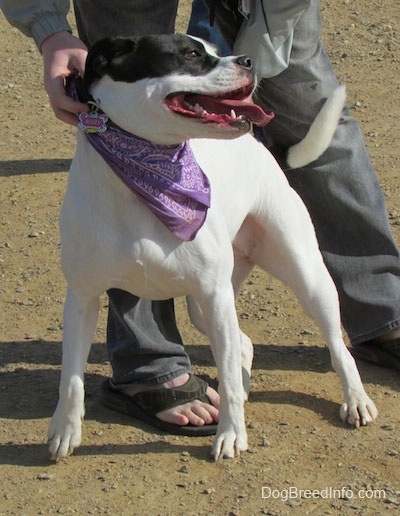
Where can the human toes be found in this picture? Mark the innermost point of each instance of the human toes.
(197, 413)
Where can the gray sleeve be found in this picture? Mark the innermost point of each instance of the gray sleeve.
(37, 19)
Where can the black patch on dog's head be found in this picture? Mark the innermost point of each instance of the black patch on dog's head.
(132, 59)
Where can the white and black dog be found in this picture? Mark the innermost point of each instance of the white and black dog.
(167, 90)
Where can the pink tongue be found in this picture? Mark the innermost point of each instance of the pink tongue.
(252, 112)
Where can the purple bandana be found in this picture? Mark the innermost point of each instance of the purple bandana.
(167, 178)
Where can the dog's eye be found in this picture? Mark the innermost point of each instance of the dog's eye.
(193, 54)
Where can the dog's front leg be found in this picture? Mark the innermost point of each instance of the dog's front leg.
(79, 324)
(222, 329)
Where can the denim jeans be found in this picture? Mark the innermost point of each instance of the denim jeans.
(199, 25)
(97, 19)
(340, 190)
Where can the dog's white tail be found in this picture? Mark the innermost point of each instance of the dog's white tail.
(321, 132)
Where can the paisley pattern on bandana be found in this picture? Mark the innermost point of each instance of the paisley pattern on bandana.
(168, 179)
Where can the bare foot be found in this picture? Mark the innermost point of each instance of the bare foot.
(196, 412)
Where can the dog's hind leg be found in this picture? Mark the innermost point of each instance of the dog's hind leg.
(241, 270)
(80, 317)
(320, 302)
(288, 249)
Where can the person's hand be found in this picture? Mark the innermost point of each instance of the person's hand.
(63, 55)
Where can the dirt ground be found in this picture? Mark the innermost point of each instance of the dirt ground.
(297, 441)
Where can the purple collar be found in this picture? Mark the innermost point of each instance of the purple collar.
(166, 178)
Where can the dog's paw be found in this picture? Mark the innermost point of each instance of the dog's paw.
(64, 434)
(229, 443)
(360, 410)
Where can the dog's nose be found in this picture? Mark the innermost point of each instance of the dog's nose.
(245, 62)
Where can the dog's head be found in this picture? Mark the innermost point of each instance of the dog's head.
(169, 88)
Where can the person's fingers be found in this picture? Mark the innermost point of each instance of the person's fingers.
(64, 107)
(63, 55)
(65, 116)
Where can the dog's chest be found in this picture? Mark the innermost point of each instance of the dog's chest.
(111, 239)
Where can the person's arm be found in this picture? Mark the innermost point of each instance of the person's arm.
(37, 19)
(63, 54)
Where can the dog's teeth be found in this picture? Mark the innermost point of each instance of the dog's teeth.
(233, 114)
(196, 108)
(199, 109)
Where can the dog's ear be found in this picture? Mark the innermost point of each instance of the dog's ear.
(103, 55)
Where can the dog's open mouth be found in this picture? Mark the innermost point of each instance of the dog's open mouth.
(234, 109)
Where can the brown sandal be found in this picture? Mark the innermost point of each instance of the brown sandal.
(145, 405)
